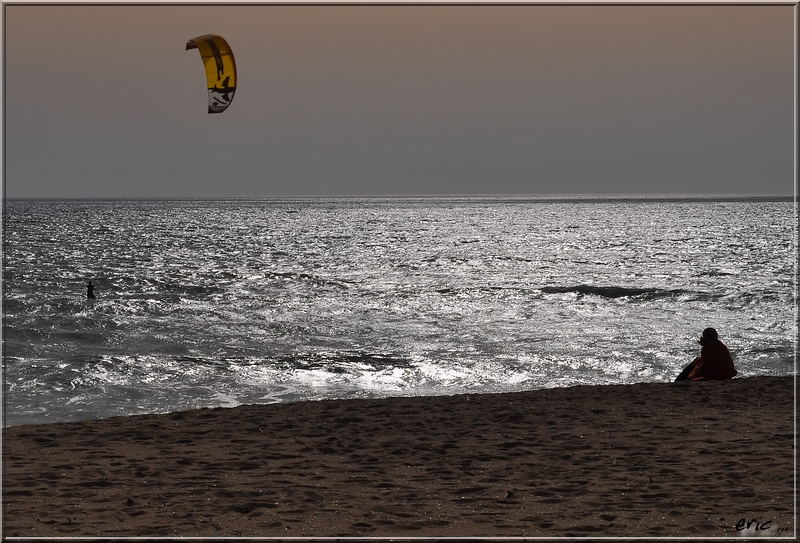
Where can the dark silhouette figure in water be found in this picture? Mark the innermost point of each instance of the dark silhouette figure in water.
(714, 363)
(90, 291)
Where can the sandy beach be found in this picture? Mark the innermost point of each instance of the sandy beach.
(658, 459)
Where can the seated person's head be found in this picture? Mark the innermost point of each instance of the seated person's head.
(709, 334)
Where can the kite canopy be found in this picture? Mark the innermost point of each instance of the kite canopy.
(220, 70)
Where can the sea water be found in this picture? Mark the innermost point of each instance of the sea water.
(207, 303)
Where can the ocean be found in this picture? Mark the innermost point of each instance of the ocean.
(208, 303)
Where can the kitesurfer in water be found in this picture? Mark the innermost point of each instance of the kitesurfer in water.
(90, 291)
(714, 363)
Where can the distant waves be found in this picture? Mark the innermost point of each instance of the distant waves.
(619, 292)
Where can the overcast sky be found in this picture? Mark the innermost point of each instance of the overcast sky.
(104, 101)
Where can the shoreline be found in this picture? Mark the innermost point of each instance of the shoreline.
(637, 460)
(365, 398)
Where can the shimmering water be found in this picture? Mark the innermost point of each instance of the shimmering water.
(223, 302)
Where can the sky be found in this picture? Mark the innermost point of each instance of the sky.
(103, 101)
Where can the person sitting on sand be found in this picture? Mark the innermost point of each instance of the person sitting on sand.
(714, 362)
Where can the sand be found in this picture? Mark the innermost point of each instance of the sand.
(658, 459)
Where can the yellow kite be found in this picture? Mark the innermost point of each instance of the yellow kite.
(220, 70)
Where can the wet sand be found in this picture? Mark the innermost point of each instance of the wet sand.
(658, 459)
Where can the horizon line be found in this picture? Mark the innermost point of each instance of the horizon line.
(571, 196)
